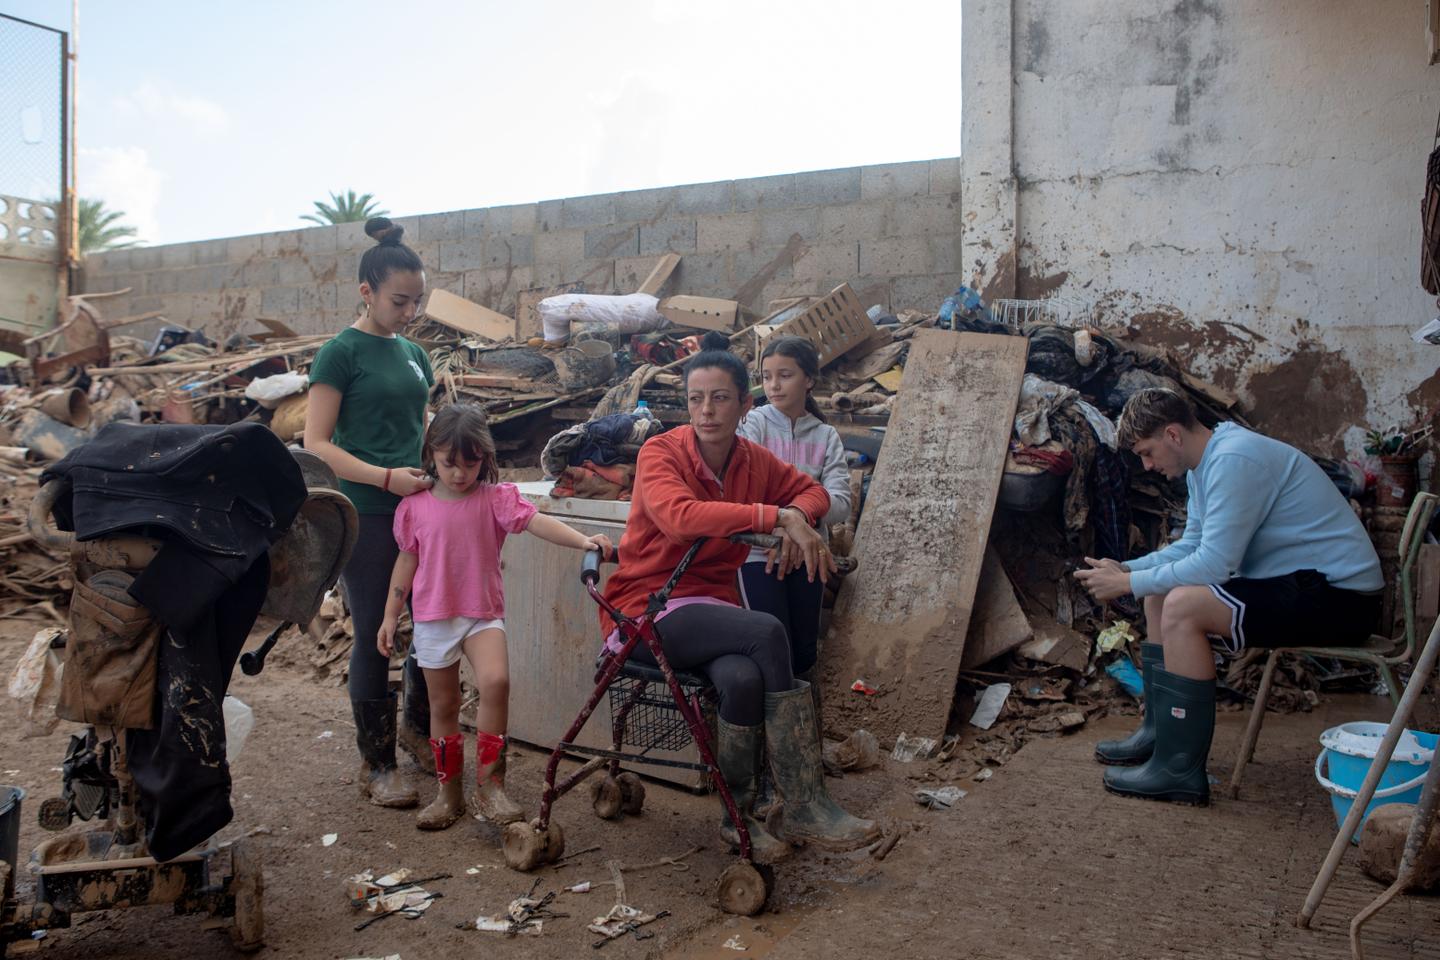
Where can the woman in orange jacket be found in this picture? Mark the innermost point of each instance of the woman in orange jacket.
(702, 480)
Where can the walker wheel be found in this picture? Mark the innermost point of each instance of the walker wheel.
(607, 798)
(54, 814)
(523, 846)
(554, 839)
(632, 793)
(743, 889)
(247, 886)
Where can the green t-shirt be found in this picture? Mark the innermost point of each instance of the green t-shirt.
(384, 384)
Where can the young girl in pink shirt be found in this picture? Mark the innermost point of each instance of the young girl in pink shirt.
(450, 538)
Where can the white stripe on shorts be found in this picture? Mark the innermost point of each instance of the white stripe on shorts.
(1236, 641)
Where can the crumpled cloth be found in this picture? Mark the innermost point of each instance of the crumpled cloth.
(590, 481)
(1039, 398)
(613, 439)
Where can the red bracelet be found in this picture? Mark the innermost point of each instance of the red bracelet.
(386, 485)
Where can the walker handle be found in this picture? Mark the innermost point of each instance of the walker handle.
(768, 541)
(590, 568)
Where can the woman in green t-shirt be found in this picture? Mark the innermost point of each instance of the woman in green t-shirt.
(369, 388)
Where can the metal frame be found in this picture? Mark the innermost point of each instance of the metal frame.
(1411, 538)
(635, 631)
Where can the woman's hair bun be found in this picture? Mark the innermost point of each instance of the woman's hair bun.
(383, 231)
(714, 340)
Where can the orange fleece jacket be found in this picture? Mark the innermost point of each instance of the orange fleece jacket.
(676, 500)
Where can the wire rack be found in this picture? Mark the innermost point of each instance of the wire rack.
(653, 723)
(1069, 312)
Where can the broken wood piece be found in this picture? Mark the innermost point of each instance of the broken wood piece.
(890, 379)
(901, 619)
(521, 384)
(836, 324)
(706, 313)
(997, 625)
(466, 316)
(856, 399)
(660, 274)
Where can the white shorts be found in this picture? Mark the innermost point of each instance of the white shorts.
(438, 643)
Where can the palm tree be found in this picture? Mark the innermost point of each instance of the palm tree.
(346, 209)
(99, 230)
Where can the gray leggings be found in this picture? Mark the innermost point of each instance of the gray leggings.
(745, 654)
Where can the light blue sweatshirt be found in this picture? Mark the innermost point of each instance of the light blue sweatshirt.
(809, 445)
(1260, 508)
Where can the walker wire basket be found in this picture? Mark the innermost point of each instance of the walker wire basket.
(652, 722)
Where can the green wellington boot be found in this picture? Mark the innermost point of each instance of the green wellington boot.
(1137, 747)
(737, 751)
(806, 812)
(1184, 726)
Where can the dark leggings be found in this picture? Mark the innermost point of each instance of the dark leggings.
(744, 653)
(365, 582)
(794, 601)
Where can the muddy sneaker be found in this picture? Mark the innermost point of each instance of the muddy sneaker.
(449, 804)
(491, 802)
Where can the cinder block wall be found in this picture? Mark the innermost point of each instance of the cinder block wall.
(891, 231)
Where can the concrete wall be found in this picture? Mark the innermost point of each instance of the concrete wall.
(1239, 180)
(891, 231)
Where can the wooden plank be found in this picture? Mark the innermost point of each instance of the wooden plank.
(890, 379)
(1427, 582)
(901, 619)
(660, 274)
(505, 383)
(466, 316)
(998, 624)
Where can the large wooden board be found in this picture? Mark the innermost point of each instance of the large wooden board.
(466, 316)
(901, 619)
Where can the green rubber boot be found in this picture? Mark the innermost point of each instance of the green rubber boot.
(806, 813)
(1184, 726)
(1137, 747)
(737, 751)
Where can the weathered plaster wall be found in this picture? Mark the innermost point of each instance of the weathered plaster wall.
(891, 231)
(1239, 180)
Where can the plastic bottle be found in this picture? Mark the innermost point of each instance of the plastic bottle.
(239, 721)
(642, 409)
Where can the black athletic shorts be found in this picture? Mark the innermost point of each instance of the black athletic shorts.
(1300, 609)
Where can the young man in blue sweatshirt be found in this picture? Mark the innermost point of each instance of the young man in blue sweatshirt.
(1272, 556)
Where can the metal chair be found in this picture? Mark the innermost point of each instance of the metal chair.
(1381, 652)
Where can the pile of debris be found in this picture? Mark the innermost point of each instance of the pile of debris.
(569, 358)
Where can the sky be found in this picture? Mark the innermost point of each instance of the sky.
(222, 118)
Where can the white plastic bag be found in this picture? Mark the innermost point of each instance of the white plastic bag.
(239, 721)
(631, 313)
(269, 391)
(35, 684)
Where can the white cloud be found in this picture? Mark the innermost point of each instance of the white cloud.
(204, 118)
(124, 179)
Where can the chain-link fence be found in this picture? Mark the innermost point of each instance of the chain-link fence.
(32, 172)
(32, 110)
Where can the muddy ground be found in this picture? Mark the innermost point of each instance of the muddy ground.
(1035, 862)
